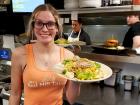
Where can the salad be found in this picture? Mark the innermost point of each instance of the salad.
(61, 41)
(82, 69)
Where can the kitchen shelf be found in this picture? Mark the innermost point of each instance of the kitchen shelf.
(4, 4)
(101, 10)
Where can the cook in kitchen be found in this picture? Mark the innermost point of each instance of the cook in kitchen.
(132, 37)
(78, 33)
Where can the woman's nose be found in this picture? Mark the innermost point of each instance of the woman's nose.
(45, 28)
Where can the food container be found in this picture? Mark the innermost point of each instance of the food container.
(114, 79)
(71, 4)
(90, 3)
(128, 82)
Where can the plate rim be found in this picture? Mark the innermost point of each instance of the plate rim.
(64, 45)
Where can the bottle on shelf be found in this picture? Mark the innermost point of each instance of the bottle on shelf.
(115, 2)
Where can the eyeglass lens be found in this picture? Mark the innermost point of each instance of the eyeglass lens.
(39, 24)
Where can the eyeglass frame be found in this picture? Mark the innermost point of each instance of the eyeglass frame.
(44, 24)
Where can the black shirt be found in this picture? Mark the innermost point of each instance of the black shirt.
(133, 31)
(83, 37)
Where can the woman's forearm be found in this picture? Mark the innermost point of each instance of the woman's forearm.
(73, 91)
(14, 100)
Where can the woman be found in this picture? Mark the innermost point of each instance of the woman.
(78, 33)
(30, 64)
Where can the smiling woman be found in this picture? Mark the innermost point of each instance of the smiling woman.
(31, 62)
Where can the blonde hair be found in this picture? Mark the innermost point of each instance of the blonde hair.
(43, 7)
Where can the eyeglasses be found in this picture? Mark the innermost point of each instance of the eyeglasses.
(39, 24)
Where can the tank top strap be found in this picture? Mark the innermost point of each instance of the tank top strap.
(29, 51)
(62, 54)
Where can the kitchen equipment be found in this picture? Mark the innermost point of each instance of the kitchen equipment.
(128, 82)
(109, 50)
(5, 65)
(114, 79)
(8, 41)
(70, 4)
(90, 3)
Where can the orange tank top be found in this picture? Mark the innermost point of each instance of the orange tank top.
(42, 87)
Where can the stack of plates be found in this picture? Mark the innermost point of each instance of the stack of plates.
(90, 3)
(70, 4)
(78, 43)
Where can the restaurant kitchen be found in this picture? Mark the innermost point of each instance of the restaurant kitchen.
(100, 24)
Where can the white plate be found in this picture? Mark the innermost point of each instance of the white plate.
(64, 45)
(106, 70)
(78, 43)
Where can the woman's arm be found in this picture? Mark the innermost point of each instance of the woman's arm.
(136, 41)
(72, 91)
(16, 78)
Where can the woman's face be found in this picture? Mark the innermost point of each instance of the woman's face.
(45, 27)
(76, 26)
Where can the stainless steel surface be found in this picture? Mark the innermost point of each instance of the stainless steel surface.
(129, 58)
(100, 33)
(133, 59)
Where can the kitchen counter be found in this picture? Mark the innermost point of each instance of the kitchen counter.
(129, 58)
(132, 59)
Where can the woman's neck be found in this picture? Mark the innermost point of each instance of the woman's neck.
(45, 48)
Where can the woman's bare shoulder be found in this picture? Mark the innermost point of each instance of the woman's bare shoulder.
(19, 51)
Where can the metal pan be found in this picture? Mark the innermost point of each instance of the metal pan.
(108, 50)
